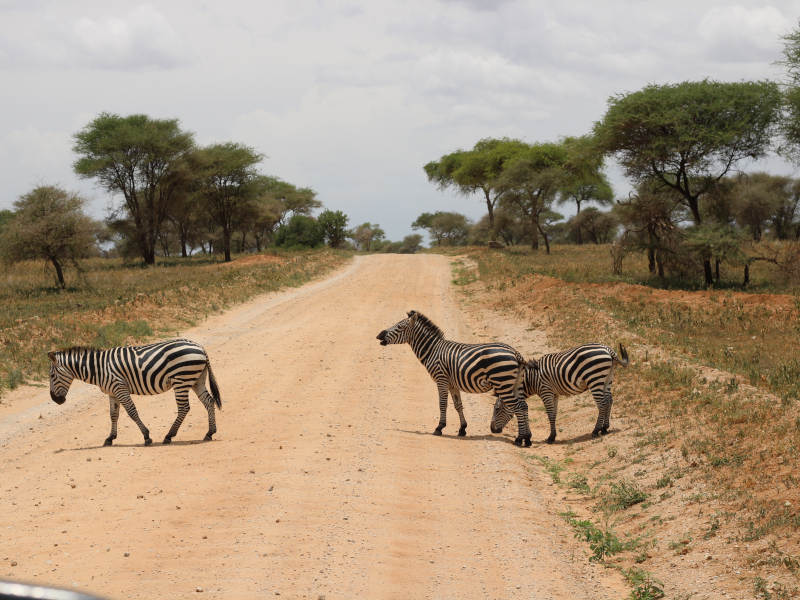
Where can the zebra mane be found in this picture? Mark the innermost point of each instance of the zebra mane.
(78, 350)
(428, 324)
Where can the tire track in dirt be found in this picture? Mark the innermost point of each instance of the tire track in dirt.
(324, 479)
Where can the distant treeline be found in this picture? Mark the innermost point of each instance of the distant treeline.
(681, 145)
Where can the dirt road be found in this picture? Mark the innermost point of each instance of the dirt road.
(323, 481)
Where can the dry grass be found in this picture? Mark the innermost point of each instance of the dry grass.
(110, 303)
(711, 441)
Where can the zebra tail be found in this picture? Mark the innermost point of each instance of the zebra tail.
(623, 356)
(214, 389)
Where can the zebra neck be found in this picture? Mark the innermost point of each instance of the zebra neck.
(422, 345)
(86, 365)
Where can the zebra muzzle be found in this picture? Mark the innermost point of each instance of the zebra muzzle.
(58, 399)
(382, 337)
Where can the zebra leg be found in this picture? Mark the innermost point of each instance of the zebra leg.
(599, 396)
(182, 398)
(125, 399)
(208, 402)
(456, 394)
(523, 427)
(607, 418)
(114, 408)
(550, 401)
(442, 408)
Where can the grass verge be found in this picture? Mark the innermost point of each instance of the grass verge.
(111, 303)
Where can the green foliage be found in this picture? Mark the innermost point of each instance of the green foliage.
(645, 586)
(476, 170)
(366, 235)
(623, 494)
(300, 232)
(334, 227)
(687, 136)
(227, 180)
(49, 224)
(137, 157)
(446, 228)
(602, 542)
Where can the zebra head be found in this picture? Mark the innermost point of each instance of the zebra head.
(501, 416)
(60, 379)
(400, 332)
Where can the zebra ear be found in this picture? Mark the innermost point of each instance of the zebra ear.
(411, 313)
(51, 356)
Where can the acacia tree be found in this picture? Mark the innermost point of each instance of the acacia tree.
(476, 170)
(446, 228)
(49, 223)
(227, 181)
(689, 135)
(585, 180)
(530, 182)
(135, 156)
(366, 234)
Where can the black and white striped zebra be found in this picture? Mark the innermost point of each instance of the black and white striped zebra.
(457, 367)
(586, 367)
(142, 370)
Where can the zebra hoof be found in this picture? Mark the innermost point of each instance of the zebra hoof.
(147, 441)
(437, 431)
(551, 439)
(167, 440)
(108, 441)
(462, 432)
(208, 437)
(595, 433)
(524, 441)
(604, 431)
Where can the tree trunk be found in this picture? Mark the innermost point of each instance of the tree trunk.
(660, 264)
(746, 275)
(59, 272)
(709, 275)
(578, 234)
(226, 243)
(490, 209)
(651, 260)
(716, 270)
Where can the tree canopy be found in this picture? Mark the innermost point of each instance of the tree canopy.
(687, 136)
(49, 224)
(135, 156)
(476, 170)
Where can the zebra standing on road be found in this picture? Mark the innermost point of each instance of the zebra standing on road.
(457, 367)
(587, 367)
(143, 370)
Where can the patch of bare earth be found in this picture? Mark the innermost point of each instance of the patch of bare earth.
(692, 529)
(323, 481)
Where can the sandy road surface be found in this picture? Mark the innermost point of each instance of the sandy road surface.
(323, 480)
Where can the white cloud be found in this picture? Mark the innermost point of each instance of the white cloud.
(741, 34)
(140, 39)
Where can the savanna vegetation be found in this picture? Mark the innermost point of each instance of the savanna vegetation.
(708, 414)
(110, 302)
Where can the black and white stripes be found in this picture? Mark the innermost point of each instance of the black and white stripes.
(457, 367)
(141, 370)
(586, 367)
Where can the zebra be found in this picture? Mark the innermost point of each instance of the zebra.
(457, 367)
(590, 366)
(143, 370)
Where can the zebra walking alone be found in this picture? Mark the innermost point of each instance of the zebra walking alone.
(586, 367)
(142, 370)
(457, 367)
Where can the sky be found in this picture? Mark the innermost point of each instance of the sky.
(353, 98)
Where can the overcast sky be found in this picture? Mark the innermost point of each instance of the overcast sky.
(353, 98)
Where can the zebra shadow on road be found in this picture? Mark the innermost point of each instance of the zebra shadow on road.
(506, 439)
(139, 445)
